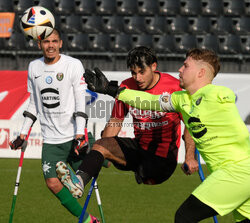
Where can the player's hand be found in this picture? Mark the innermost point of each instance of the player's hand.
(18, 143)
(98, 82)
(190, 166)
(80, 145)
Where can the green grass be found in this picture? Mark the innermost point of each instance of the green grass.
(123, 200)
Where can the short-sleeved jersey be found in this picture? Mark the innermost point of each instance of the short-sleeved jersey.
(156, 131)
(213, 120)
(58, 91)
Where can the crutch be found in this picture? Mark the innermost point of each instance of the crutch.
(94, 182)
(25, 114)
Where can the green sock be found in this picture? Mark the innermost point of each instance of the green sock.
(71, 204)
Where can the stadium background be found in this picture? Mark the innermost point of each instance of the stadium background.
(100, 33)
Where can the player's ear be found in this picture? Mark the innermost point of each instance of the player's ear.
(202, 72)
(154, 66)
(60, 44)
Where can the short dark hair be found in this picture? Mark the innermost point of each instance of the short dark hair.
(206, 55)
(58, 32)
(141, 56)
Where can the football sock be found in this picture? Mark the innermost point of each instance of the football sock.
(71, 204)
(91, 166)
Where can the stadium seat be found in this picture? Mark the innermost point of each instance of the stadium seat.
(221, 25)
(142, 40)
(208, 41)
(134, 24)
(92, 24)
(6, 6)
(241, 25)
(199, 25)
(49, 4)
(234, 7)
(185, 42)
(85, 7)
(177, 25)
(77, 42)
(16, 41)
(64, 7)
(16, 25)
(120, 42)
(99, 42)
(164, 43)
(229, 44)
(147, 7)
(190, 7)
(156, 24)
(71, 23)
(113, 24)
(212, 7)
(245, 44)
(105, 7)
(31, 45)
(169, 7)
(247, 7)
(126, 7)
(21, 5)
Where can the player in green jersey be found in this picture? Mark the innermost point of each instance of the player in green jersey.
(211, 116)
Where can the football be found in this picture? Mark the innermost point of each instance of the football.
(37, 23)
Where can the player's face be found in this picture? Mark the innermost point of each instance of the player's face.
(188, 73)
(50, 47)
(145, 78)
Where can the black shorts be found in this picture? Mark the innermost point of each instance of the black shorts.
(145, 162)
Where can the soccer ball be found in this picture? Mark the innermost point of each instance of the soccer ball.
(37, 23)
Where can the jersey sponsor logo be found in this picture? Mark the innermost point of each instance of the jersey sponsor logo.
(59, 76)
(140, 114)
(50, 97)
(48, 80)
(198, 129)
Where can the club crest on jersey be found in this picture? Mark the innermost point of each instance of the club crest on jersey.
(165, 99)
(59, 76)
(48, 80)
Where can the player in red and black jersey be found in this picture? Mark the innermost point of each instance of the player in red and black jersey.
(152, 154)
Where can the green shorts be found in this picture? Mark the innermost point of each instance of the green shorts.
(228, 190)
(53, 153)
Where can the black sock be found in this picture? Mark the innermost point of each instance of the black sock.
(91, 166)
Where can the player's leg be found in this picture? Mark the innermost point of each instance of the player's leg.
(193, 210)
(111, 148)
(51, 154)
(224, 190)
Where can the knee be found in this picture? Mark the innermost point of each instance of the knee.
(54, 185)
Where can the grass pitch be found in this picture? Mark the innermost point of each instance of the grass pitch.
(123, 200)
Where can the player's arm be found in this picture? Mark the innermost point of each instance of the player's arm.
(79, 96)
(142, 100)
(112, 128)
(190, 161)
